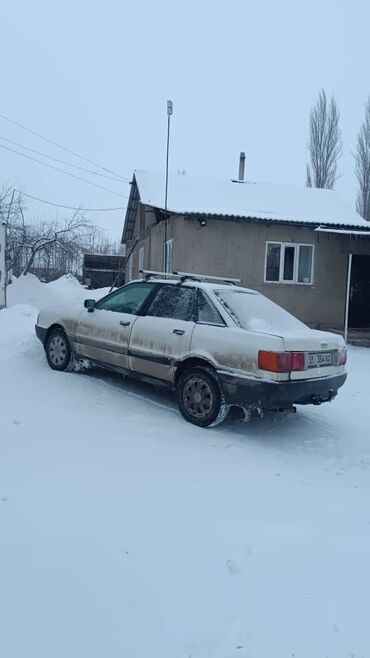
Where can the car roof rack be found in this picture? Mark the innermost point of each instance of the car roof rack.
(186, 276)
(151, 274)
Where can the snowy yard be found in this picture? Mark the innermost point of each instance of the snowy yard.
(128, 533)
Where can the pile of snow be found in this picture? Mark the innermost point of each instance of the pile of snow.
(67, 289)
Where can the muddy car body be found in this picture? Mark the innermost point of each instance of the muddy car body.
(219, 345)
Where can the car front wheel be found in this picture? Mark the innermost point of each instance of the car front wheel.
(200, 397)
(58, 351)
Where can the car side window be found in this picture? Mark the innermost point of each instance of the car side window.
(173, 301)
(127, 300)
(207, 313)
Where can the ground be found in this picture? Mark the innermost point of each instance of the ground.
(126, 532)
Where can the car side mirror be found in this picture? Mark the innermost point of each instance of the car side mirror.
(89, 304)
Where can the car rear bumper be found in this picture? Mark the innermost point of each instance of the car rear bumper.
(279, 395)
(40, 333)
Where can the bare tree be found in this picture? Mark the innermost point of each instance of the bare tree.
(325, 143)
(49, 248)
(362, 166)
(69, 238)
(7, 207)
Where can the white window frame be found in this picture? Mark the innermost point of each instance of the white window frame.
(297, 246)
(168, 249)
(141, 258)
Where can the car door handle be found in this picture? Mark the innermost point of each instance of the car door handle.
(178, 332)
(124, 323)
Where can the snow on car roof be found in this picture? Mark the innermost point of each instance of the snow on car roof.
(234, 199)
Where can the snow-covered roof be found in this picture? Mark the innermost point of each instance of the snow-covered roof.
(264, 201)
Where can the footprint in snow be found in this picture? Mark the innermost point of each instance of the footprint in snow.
(234, 566)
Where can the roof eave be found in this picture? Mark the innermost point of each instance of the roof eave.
(271, 220)
(131, 211)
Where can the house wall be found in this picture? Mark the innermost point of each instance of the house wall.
(150, 235)
(237, 249)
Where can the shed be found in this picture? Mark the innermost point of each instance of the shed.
(103, 270)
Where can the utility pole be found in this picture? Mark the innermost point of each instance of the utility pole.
(169, 114)
(3, 238)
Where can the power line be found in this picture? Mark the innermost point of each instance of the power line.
(60, 205)
(69, 164)
(62, 171)
(64, 148)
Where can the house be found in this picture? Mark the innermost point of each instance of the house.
(305, 249)
(2, 266)
(103, 270)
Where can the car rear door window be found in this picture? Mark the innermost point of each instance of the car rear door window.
(127, 300)
(173, 301)
(207, 313)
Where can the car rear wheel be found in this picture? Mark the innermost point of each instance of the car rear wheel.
(58, 351)
(200, 397)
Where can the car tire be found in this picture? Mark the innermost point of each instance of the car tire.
(200, 397)
(58, 350)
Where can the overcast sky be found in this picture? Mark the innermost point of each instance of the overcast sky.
(95, 77)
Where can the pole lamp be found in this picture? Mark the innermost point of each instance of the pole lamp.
(169, 114)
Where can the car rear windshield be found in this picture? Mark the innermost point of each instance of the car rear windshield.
(257, 313)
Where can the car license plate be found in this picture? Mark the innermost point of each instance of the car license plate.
(320, 359)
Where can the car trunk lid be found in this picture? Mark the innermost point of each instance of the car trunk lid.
(321, 352)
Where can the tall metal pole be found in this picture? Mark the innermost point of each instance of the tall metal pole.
(169, 113)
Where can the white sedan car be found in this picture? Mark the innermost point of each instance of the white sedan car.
(219, 345)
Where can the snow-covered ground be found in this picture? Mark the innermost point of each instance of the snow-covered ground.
(128, 533)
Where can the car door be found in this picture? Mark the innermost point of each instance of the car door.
(162, 336)
(103, 333)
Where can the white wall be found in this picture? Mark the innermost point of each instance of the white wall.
(2, 265)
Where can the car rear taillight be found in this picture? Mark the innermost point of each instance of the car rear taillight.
(281, 361)
(298, 361)
(342, 357)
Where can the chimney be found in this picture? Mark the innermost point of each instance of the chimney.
(241, 166)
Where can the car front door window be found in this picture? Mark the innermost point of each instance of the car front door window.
(128, 300)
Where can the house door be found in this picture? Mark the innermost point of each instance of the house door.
(359, 304)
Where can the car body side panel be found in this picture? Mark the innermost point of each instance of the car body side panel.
(104, 336)
(157, 344)
(234, 349)
(66, 317)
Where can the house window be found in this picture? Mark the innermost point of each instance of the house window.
(141, 258)
(169, 256)
(287, 262)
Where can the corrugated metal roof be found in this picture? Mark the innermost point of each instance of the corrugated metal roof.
(247, 200)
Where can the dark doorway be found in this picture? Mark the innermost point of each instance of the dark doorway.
(359, 304)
